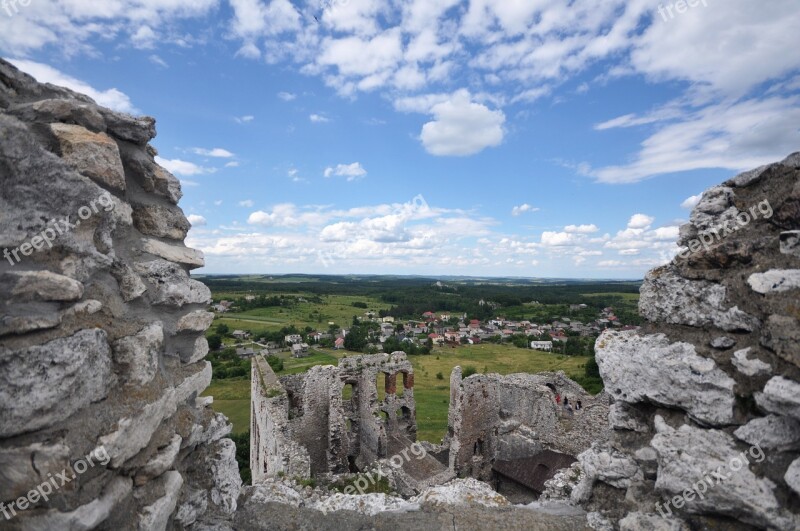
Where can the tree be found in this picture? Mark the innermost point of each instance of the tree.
(222, 329)
(214, 341)
(592, 369)
(356, 339)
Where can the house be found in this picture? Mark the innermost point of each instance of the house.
(445, 317)
(249, 297)
(388, 319)
(245, 352)
(219, 308)
(240, 334)
(315, 337)
(547, 346)
(299, 350)
(474, 324)
(291, 339)
(428, 315)
(436, 338)
(452, 336)
(339, 343)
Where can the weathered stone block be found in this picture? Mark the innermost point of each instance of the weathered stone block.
(782, 336)
(22, 468)
(156, 515)
(44, 384)
(782, 396)
(790, 243)
(775, 281)
(41, 286)
(772, 432)
(749, 367)
(139, 354)
(174, 253)
(197, 321)
(94, 155)
(160, 221)
(171, 284)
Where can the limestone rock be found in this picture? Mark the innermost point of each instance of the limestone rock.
(160, 221)
(87, 516)
(140, 353)
(95, 155)
(781, 396)
(61, 110)
(637, 521)
(749, 367)
(21, 318)
(782, 336)
(747, 178)
(225, 474)
(790, 243)
(23, 467)
(621, 416)
(42, 286)
(775, 281)
(606, 464)
(134, 433)
(649, 368)
(367, 504)
(78, 373)
(161, 462)
(200, 350)
(172, 285)
(669, 298)
(174, 253)
(197, 321)
(792, 476)
(131, 286)
(722, 343)
(772, 432)
(689, 457)
(192, 508)
(155, 516)
(136, 129)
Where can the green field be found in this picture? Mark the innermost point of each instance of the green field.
(232, 397)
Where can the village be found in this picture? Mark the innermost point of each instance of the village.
(431, 330)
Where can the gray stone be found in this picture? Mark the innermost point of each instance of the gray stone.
(650, 368)
(137, 129)
(792, 476)
(749, 367)
(669, 298)
(197, 321)
(622, 416)
(775, 281)
(782, 336)
(41, 286)
(139, 354)
(792, 161)
(174, 253)
(772, 432)
(194, 506)
(23, 467)
(790, 243)
(160, 221)
(78, 372)
(225, 472)
(134, 433)
(155, 516)
(722, 343)
(686, 458)
(637, 521)
(747, 178)
(131, 286)
(171, 284)
(85, 517)
(200, 350)
(61, 110)
(95, 155)
(781, 396)
(21, 318)
(606, 464)
(161, 462)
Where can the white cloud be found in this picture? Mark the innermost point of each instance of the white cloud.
(691, 202)
(247, 203)
(182, 167)
(196, 220)
(581, 229)
(232, 164)
(462, 127)
(158, 61)
(245, 119)
(610, 263)
(352, 171)
(640, 221)
(525, 207)
(318, 119)
(218, 202)
(111, 98)
(557, 239)
(287, 96)
(215, 152)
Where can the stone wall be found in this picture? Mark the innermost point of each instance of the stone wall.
(709, 389)
(493, 417)
(101, 333)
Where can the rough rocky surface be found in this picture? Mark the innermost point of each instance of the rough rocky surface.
(90, 358)
(688, 406)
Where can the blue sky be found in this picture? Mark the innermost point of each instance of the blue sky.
(483, 137)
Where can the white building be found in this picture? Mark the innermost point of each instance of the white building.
(291, 339)
(547, 346)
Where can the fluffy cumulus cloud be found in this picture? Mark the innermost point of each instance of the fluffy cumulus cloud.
(581, 229)
(182, 167)
(640, 221)
(215, 152)
(352, 172)
(690, 202)
(197, 220)
(523, 208)
(462, 127)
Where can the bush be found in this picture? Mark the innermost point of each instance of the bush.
(469, 370)
(439, 376)
(275, 362)
(214, 341)
(360, 305)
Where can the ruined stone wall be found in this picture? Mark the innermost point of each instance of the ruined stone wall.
(706, 412)
(101, 333)
(273, 450)
(495, 417)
